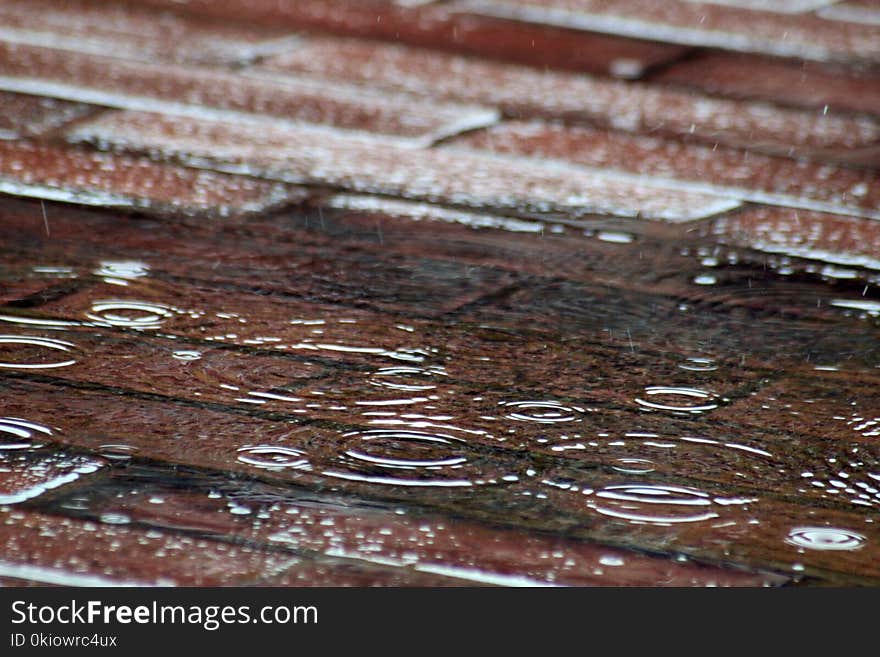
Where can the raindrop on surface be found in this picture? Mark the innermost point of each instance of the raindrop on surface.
(708, 399)
(22, 342)
(273, 457)
(121, 271)
(615, 237)
(611, 560)
(825, 538)
(546, 412)
(114, 519)
(186, 355)
(705, 279)
(129, 314)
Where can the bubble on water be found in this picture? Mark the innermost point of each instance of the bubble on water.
(410, 379)
(186, 355)
(546, 412)
(825, 538)
(273, 457)
(19, 345)
(689, 400)
(129, 314)
(658, 504)
(705, 279)
(611, 560)
(18, 433)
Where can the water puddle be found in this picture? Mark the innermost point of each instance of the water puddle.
(32, 352)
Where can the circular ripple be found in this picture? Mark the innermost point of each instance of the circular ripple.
(688, 400)
(273, 457)
(634, 466)
(545, 412)
(406, 378)
(17, 433)
(21, 344)
(129, 314)
(414, 458)
(653, 504)
(825, 538)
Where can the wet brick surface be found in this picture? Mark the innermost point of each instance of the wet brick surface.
(476, 292)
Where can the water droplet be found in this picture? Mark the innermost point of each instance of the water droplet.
(129, 314)
(615, 237)
(709, 399)
(21, 350)
(705, 279)
(611, 560)
(406, 378)
(114, 518)
(273, 457)
(547, 412)
(186, 355)
(825, 538)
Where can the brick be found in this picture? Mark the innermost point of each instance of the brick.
(84, 176)
(786, 82)
(133, 31)
(454, 176)
(71, 552)
(630, 107)
(863, 12)
(439, 26)
(405, 540)
(240, 97)
(825, 238)
(751, 176)
(804, 36)
(32, 116)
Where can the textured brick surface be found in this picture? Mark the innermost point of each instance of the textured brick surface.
(129, 30)
(201, 91)
(800, 84)
(630, 107)
(451, 28)
(702, 24)
(749, 176)
(468, 178)
(92, 178)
